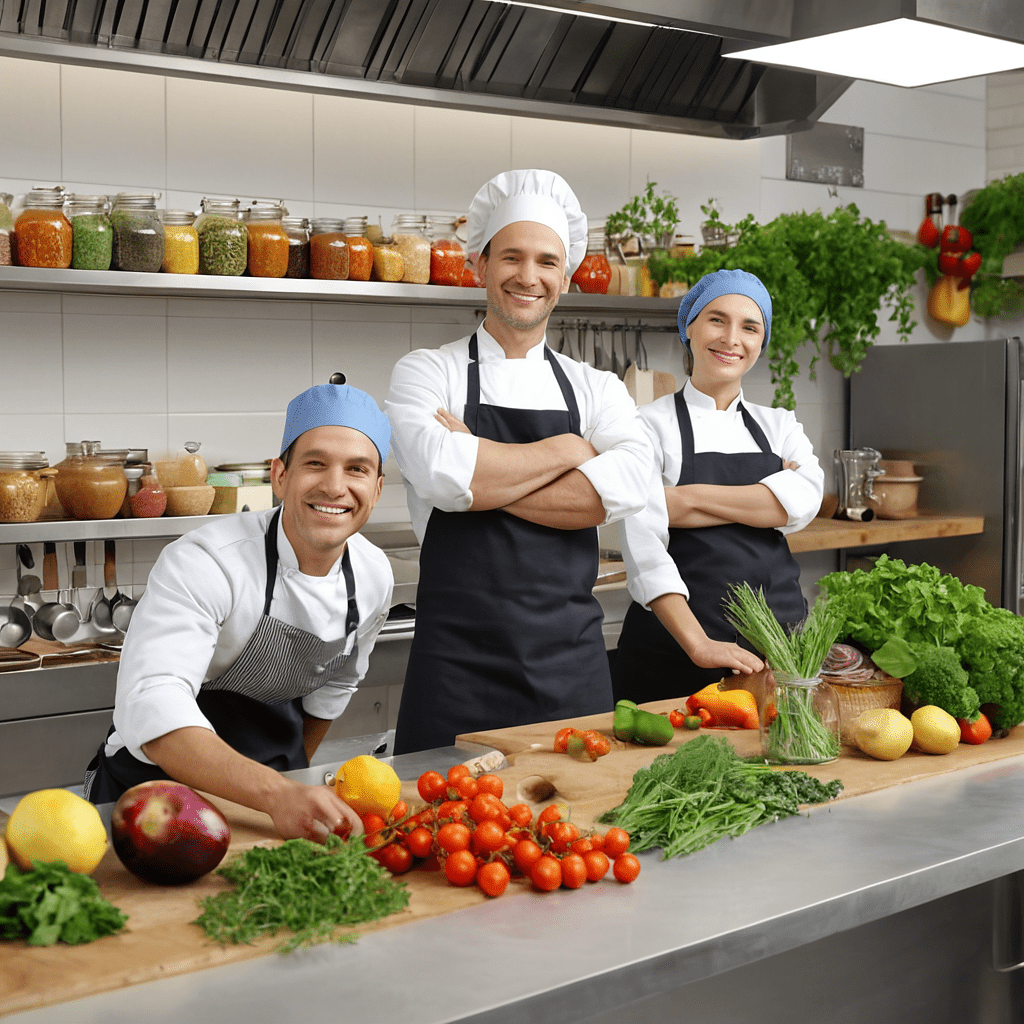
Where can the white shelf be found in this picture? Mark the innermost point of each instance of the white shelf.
(60, 530)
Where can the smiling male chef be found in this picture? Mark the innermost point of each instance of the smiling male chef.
(255, 629)
(512, 456)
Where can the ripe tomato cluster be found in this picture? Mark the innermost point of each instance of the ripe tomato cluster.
(468, 832)
(585, 744)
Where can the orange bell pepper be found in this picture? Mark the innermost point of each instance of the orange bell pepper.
(735, 709)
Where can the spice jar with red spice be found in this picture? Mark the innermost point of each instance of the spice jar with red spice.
(447, 257)
(360, 249)
(594, 274)
(42, 234)
(328, 250)
(267, 241)
(150, 500)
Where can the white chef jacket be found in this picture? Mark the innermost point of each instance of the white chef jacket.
(650, 569)
(437, 465)
(203, 601)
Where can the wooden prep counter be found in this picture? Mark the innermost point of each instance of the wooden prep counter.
(833, 534)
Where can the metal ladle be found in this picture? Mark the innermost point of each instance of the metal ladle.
(15, 625)
(121, 605)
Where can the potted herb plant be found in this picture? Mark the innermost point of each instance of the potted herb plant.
(650, 218)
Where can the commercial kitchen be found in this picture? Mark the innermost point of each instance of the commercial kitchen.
(901, 901)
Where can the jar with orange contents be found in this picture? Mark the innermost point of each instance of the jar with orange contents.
(328, 250)
(594, 274)
(268, 242)
(447, 257)
(42, 234)
(360, 249)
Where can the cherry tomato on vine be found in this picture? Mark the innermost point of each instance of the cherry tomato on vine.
(420, 842)
(486, 806)
(597, 865)
(456, 772)
(582, 846)
(561, 834)
(626, 868)
(493, 878)
(453, 809)
(526, 853)
(546, 874)
(490, 784)
(466, 787)
(521, 814)
(399, 811)
(453, 837)
(431, 786)
(574, 871)
(396, 858)
(616, 842)
(490, 836)
(553, 812)
(460, 868)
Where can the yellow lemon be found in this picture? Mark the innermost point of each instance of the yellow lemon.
(54, 824)
(883, 733)
(367, 785)
(935, 731)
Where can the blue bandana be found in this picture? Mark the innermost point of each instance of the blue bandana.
(714, 286)
(337, 405)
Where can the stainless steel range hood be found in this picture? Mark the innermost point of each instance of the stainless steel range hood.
(472, 54)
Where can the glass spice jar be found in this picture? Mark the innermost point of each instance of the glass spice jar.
(409, 230)
(150, 500)
(181, 242)
(138, 233)
(800, 722)
(268, 243)
(328, 250)
(447, 257)
(23, 486)
(296, 230)
(223, 240)
(594, 273)
(92, 485)
(388, 262)
(42, 234)
(92, 235)
(360, 249)
(6, 229)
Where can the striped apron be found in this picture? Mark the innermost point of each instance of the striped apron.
(256, 705)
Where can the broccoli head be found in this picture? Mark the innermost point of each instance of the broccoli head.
(992, 649)
(941, 680)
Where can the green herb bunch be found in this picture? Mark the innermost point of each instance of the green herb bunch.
(645, 214)
(311, 890)
(828, 276)
(995, 217)
(686, 800)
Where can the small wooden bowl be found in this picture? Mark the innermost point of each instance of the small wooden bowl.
(190, 501)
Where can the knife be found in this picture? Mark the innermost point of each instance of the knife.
(78, 574)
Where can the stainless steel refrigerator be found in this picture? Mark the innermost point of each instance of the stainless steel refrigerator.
(956, 410)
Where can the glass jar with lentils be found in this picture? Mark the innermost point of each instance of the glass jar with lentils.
(223, 240)
(42, 233)
(268, 243)
(181, 242)
(409, 231)
(328, 250)
(360, 249)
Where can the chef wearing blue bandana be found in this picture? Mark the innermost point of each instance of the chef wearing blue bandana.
(734, 478)
(255, 629)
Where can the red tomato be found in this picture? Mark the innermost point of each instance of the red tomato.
(486, 806)
(553, 812)
(396, 858)
(975, 732)
(677, 718)
(372, 822)
(597, 841)
(581, 846)
(561, 833)
(574, 871)
(453, 837)
(626, 868)
(546, 874)
(431, 786)
(490, 784)
(466, 787)
(456, 772)
(616, 842)
(490, 836)
(460, 868)
(493, 878)
(399, 812)
(451, 809)
(521, 814)
(597, 865)
(420, 842)
(526, 853)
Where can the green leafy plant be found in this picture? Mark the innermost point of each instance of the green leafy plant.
(995, 217)
(645, 215)
(828, 277)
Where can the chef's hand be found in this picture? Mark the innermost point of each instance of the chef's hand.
(310, 812)
(790, 465)
(446, 419)
(709, 653)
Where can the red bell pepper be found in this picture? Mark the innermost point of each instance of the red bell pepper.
(928, 233)
(956, 239)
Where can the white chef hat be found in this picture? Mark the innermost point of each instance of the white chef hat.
(535, 195)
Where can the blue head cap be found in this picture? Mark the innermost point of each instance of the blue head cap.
(337, 405)
(714, 286)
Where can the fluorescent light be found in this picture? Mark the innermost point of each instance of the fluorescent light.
(581, 14)
(899, 52)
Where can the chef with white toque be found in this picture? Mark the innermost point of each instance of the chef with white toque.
(255, 629)
(512, 455)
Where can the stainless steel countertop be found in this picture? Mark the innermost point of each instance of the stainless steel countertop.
(568, 955)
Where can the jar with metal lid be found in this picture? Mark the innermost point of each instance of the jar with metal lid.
(92, 235)
(360, 249)
(328, 250)
(223, 240)
(23, 483)
(181, 242)
(6, 229)
(296, 230)
(800, 722)
(92, 485)
(447, 257)
(409, 231)
(42, 234)
(594, 273)
(138, 233)
(268, 243)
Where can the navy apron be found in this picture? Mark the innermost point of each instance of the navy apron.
(256, 705)
(508, 631)
(650, 664)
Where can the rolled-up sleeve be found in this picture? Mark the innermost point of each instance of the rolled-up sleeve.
(621, 471)
(438, 463)
(799, 491)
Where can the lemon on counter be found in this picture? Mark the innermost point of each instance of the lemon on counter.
(935, 731)
(369, 786)
(55, 824)
(883, 733)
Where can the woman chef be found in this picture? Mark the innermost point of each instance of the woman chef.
(255, 630)
(512, 455)
(735, 479)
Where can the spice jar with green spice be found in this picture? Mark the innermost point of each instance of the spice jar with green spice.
(92, 235)
(181, 243)
(223, 240)
(138, 233)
